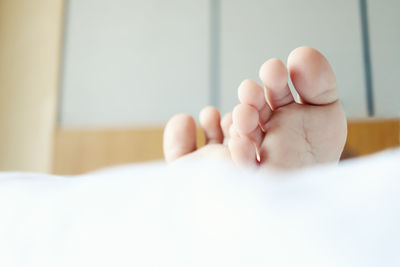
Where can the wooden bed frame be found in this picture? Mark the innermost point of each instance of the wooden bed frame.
(79, 151)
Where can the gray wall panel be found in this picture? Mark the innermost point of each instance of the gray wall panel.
(134, 62)
(255, 30)
(384, 25)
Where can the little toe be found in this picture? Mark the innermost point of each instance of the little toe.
(210, 123)
(226, 123)
(179, 137)
(274, 76)
(312, 76)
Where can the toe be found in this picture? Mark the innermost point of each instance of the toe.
(243, 151)
(312, 76)
(246, 123)
(179, 137)
(252, 94)
(245, 119)
(226, 123)
(274, 76)
(210, 123)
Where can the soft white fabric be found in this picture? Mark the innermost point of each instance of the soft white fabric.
(205, 214)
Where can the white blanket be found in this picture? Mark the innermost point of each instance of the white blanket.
(205, 214)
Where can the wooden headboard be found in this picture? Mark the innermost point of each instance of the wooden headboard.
(369, 136)
(79, 151)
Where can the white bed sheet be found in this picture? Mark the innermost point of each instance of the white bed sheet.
(205, 213)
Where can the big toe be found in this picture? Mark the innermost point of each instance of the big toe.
(312, 76)
(179, 137)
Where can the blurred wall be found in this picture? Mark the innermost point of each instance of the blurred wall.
(384, 22)
(135, 63)
(132, 62)
(30, 39)
(253, 31)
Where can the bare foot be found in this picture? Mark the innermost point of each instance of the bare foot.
(278, 132)
(180, 136)
(287, 134)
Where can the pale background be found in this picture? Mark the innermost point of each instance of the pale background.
(139, 62)
(30, 42)
(86, 84)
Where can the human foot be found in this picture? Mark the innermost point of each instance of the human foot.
(180, 136)
(281, 132)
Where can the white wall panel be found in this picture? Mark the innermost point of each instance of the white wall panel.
(254, 30)
(384, 25)
(134, 62)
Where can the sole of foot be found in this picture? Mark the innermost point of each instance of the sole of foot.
(285, 133)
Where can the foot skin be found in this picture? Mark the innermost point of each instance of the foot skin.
(180, 136)
(277, 132)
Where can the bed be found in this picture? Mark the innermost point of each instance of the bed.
(81, 150)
